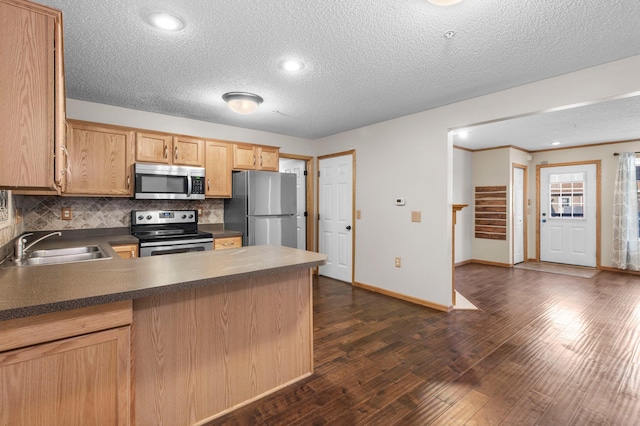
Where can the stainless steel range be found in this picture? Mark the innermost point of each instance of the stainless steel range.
(168, 232)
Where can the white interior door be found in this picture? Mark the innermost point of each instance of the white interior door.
(518, 215)
(299, 168)
(568, 214)
(335, 186)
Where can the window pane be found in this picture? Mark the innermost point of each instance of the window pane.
(566, 195)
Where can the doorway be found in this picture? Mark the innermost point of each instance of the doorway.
(519, 215)
(568, 213)
(335, 219)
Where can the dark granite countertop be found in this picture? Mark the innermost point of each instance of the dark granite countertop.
(34, 290)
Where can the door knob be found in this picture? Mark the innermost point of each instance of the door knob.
(348, 227)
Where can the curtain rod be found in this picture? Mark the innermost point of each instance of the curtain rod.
(615, 154)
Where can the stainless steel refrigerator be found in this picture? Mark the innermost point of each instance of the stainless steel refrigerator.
(263, 208)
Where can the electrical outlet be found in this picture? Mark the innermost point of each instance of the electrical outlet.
(66, 213)
(397, 262)
(416, 216)
(18, 218)
(200, 210)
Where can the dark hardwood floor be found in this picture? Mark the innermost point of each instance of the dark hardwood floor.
(544, 349)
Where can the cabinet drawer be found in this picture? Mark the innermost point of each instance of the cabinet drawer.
(227, 243)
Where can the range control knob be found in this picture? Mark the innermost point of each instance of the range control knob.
(190, 216)
(184, 216)
(140, 217)
(148, 217)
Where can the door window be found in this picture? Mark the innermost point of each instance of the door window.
(566, 195)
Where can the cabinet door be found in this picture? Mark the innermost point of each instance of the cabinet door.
(269, 158)
(153, 148)
(80, 380)
(31, 111)
(126, 251)
(188, 151)
(218, 169)
(100, 160)
(227, 243)
(244, 157)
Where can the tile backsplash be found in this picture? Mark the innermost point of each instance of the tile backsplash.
(41, 213)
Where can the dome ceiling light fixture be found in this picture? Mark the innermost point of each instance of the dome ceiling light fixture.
(242, 102)
(166, 22)
(443, 2)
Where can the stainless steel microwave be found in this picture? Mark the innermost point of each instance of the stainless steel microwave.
(165, 182)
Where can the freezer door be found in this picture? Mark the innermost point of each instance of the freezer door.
(274, 230)
(271, 193)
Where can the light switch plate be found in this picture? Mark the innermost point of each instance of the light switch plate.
(416, 216)
(358, 214)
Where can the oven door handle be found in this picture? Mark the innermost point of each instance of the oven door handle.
(173, 244)
(189, 185)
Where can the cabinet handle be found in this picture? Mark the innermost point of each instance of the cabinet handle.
(166, 153)
(254, 160)
(208, 184)
(133, 254)
(176, 152)
(67, 167)
(128, 181)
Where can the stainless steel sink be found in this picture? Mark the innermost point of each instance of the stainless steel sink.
(63, 255)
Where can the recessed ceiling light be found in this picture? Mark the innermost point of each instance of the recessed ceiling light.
(443, 2)
(292, 65)
(164, 21)
(555, 143)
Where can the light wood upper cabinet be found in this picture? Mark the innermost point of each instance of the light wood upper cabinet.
(255, 157)
(100, 160)
(153, 148)
(244, 157)
(32, 94)
(169, 149)
(218, 157)
(268, 158)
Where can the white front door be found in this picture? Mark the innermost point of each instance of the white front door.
(518, 215)
(298, 167)
(335, 186)
(568, 207)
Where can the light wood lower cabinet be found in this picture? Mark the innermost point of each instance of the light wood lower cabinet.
(79, 380)
(126, 251)
(227, 243)
(202, 352)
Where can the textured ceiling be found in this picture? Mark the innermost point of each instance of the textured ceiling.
(601, 122)
(366, 61)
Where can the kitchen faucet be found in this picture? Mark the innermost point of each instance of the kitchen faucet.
(19, 248)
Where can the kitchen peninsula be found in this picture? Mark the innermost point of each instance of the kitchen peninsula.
(177, 339)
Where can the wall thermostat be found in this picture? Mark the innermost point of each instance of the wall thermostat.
(400, 202)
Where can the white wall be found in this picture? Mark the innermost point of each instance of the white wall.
(412, 157)
(492, 168)
(463, 194)
(107, 114)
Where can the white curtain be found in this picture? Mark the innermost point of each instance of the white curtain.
(626, 252)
